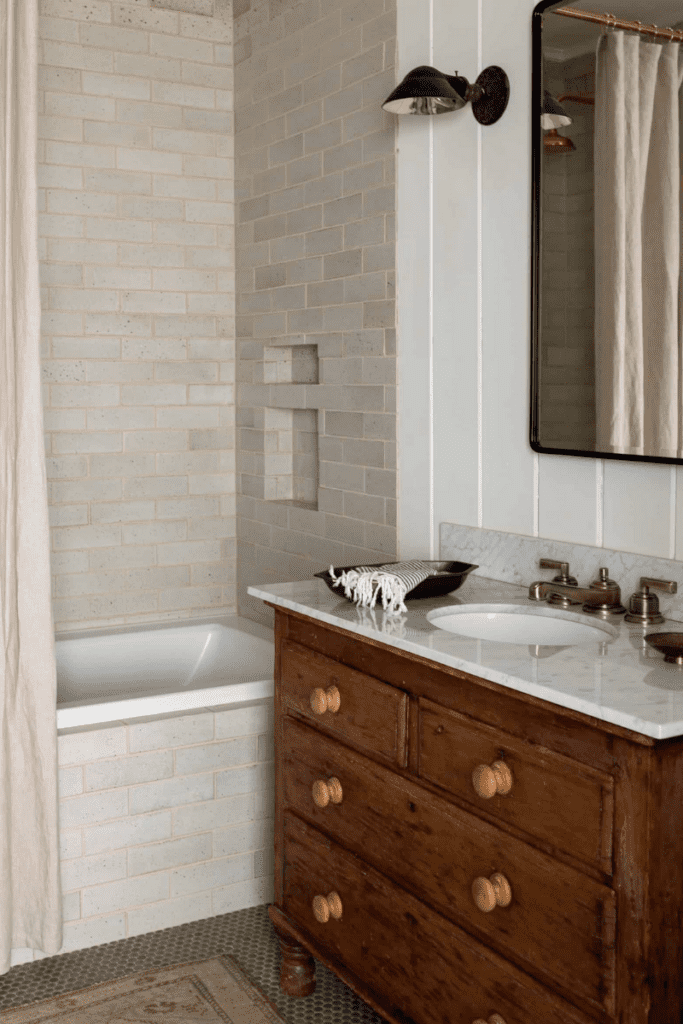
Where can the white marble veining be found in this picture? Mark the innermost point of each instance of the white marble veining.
(622, 681)
(514, 558)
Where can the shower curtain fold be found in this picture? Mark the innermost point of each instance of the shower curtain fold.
(30, 897)
(637, 245)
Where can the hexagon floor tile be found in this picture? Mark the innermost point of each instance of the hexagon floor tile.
(245, 934)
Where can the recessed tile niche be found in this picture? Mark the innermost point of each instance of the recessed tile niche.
(290, 364)
(291, 456)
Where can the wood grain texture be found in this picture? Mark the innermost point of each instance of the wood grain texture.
(559, 925)
(414, 961)
(594, 928)
(552, 797)
(372, 716)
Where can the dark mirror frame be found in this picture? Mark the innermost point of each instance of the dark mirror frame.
(536, 172)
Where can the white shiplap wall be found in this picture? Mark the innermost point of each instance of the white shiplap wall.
(464, 318)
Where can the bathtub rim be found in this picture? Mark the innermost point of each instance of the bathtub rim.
(80, 714)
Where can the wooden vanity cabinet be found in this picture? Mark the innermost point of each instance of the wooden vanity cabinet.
(460, 853)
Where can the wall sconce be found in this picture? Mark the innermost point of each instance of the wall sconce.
(425, 90)
(554, 116)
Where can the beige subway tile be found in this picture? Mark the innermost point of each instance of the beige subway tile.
(122, 512)
(155, 441)
(188, 551)
(151, 255)
(190, 418)
(154, 533)
(118, 419)
(86, 490)
(86, 441)
(143, 17)
(116, 85)
(73, 55)
(101, 899)
(149, 160)
(184, 188)
(125, 557)
(205, 75)
(183, 95)
(190, 597)
(128, 832)
(79, 537)
(121, 229)
(156, 487)
(152, 67)
(83, 395)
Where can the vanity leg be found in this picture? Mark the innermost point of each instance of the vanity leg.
(297, 969)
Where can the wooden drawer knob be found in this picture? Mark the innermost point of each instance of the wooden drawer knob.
(489, 780)
(324, 791)
(326, 906)
(495, 1018)
(325, 700)
(491, 892)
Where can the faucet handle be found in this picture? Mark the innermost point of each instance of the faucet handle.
(670, 586)
(563, 574)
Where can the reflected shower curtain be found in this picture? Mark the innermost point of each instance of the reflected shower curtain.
(637, 245)
(30, 898)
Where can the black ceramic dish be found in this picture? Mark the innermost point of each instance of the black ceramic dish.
(670, 644)
(448, 576)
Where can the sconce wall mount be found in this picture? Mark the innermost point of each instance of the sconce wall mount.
(425, 90)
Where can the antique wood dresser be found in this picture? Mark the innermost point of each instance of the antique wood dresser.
(461, 853)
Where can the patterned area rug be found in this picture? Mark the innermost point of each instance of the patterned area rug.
(207, 992)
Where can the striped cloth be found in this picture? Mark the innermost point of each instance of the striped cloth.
(390, 582)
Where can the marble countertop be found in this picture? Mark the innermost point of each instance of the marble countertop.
(622, 681)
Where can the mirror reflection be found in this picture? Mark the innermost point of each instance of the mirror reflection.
(607, 367)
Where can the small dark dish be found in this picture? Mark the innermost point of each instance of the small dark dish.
(448, 576)
(670, 644)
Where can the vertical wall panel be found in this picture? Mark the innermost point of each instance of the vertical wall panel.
(413, 256)
(637, 507)
(508, 459)
(456, 278)
(567, 499)
(637, 512)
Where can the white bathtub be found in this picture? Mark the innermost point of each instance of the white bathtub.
(134, 672)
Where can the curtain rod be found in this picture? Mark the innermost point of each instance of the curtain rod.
(668, 34)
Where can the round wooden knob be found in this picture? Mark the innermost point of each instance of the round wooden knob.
(328, 906)
(324, 791)
(489, 780)
(325, 700)
(491, 892)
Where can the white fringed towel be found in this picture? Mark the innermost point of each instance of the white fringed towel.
(390, 582)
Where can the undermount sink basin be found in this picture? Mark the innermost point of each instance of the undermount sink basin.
(516, 624)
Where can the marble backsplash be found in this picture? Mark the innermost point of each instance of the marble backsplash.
(514, 558)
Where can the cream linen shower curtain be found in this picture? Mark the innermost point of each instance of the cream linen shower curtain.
(30, 898)
(637, 245)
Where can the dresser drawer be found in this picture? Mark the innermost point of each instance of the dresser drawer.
(560, 801)
(559, 924)
(412, 959)
(359, 709)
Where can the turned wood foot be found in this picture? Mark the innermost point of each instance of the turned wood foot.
(297, 969)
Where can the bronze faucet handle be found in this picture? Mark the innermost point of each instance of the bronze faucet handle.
(670, 586)
(563, 574)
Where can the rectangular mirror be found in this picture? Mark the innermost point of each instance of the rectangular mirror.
(606, 362)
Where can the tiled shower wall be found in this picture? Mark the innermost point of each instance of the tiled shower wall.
(315, 201)
(136, 233)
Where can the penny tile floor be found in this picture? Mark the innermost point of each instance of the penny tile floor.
(247, 935)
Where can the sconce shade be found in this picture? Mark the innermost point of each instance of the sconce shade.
(425, 90)
(553, 115)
